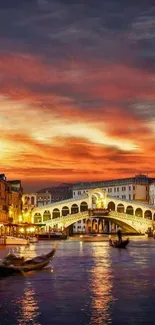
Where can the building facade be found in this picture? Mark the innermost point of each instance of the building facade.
(152, 193)
(10, 200)
(135, 188)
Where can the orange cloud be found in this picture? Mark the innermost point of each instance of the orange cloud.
(74, 122)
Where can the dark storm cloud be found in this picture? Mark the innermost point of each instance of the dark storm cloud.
(61, 29)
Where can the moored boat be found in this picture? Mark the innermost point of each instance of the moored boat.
(33, 240)
(13, 264)
(11, 240)
(118, 244)
(52, 236)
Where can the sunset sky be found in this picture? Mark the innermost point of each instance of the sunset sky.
(77, 90)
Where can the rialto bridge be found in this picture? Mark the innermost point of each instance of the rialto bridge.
(130, 215)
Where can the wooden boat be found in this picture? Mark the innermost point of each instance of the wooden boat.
(117, 244)
(52, 236)
(11, 240)
(33, 240)
(13, 264)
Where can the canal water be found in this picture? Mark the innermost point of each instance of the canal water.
(85, 284)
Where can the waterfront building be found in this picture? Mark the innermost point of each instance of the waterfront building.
(10, 199)
(135, 188)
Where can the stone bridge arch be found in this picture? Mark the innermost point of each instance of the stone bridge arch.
(139, 212)
(130, 210)
(148, 214)
(37, 217)
(111, 206)
(83, 206)
(46, 215)
(97, 198)
(56, 213)
(65, 211)
(121, 208)
(74, 208)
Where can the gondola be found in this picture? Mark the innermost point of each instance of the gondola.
(14, 265)
(117, 244)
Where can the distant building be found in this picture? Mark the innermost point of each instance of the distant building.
(59, 192)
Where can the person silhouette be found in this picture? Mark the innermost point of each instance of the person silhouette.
(119, 234)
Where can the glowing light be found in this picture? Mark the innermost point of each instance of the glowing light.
(20, 218)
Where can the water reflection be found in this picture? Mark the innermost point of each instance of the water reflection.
(29, 310)
(101, 286)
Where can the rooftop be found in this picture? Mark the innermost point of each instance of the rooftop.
(138, 179)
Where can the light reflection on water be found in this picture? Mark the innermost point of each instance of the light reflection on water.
(101, 284)
(29, 307)
(91, 284)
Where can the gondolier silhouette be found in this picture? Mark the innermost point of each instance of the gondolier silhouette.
(119, 234)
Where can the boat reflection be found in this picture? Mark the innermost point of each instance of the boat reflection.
(101, 286)
(29, 311)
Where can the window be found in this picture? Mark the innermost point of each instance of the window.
(79, 221)
(134, 197)
(117, 189)
(74, 193)
(129, 188)
(129, 196)
(133, 187)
